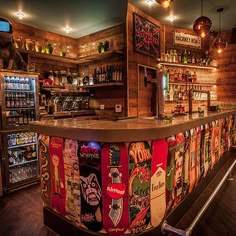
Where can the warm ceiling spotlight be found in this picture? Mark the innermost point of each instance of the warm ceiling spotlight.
(171, 18)
(202, 24)
(165, 3)
(219, 44)
(20, 15)
(67, 29)
(149, 2)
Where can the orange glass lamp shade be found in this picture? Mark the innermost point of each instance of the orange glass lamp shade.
(202, 26)
(219, 44)
(165, 3)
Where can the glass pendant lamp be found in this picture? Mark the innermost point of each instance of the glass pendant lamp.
(202, 24)
(219, 44)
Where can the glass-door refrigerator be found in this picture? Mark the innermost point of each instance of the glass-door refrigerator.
(19, 106)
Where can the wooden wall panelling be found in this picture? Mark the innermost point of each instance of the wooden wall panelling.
(88, 45)
(226, 79)
(135, 58)
(58, 41)
(108, 96)
(146, 95)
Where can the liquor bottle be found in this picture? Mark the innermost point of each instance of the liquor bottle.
(25, 117)
(194, 76)
(13, 100)
(32, 117)
(104, 74)
(185, 57)
(193, 59)
(8, 100)
(167, 80)
(113, 74)
(120, 73)
(95, 76)
(167, 56)
(17, 102)
(171, 57)
(32, 103)
(100, 76)
(171, 92)
(180, 56)
(21, 118)
(189, 57)
(175, 56)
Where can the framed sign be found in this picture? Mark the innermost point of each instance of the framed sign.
(146, 36)
(187, 40)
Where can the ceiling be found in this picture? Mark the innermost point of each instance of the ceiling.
(82, 16)
(187, 11)
(88, 16)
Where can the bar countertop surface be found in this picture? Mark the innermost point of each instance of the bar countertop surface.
(124, 130)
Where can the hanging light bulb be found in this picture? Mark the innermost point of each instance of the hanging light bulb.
(202, 24)
(219, 44)
(165, 3)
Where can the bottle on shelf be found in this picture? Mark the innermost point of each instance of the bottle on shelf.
(193, 59)
(185, 57)
(194, 77)
(167, 80)
(171, 57)
(175, 56)
(189, 57)
(180, 56)
(171, 93)
(167, 56)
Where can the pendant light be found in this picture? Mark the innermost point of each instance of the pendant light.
(202, 24)
(219, 44)
(165, 3)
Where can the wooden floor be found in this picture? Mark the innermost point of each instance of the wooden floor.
(220, 217)
(21, 214)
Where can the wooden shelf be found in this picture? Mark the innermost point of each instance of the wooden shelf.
(187, 65)
(53, 86)
(49, 56)
(102, 85)
(79, 60)
(193, 84)
(61, 88)
(100, 56)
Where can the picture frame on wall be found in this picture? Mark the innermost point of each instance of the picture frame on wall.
(146, 36)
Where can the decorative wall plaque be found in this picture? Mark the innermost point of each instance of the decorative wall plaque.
(146, 36)
(187, 40)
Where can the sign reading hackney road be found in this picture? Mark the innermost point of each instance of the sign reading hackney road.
(187, 39)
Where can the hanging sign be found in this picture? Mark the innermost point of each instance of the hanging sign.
(187, 39)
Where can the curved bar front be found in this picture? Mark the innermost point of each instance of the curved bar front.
(126, 176)
(137, 129)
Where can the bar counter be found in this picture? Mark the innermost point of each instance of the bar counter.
(127, 130)
(127, 176)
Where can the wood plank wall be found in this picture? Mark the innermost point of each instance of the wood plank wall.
(107, 96)
(135, 59)
(121, 38)
(136, 106)
(226, 79)
(58, 41)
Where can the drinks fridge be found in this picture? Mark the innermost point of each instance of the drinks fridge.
(18, 150)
